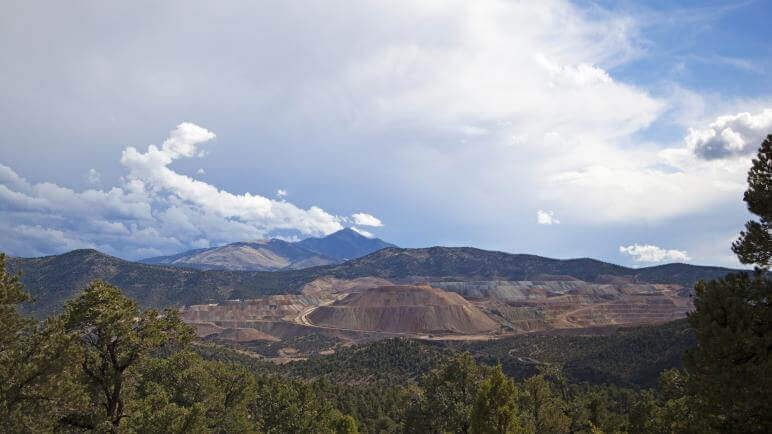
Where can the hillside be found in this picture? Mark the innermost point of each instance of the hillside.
(54, 279)
(467, 263)
(623, 356)
(270, 255)
(274, 254)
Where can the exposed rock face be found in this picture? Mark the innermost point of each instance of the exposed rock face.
(272, 308)
(328, 286)
(404, 309)
(538, 305)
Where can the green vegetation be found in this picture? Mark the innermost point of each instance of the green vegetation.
(104, 365)
(305, 344)
(628, 357)
(37, 364)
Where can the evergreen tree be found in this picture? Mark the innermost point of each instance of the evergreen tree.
(115, 339)
(449, 394)
(755, 243)
(282, 406)
(543, 410)
(184, 393)
(729, 370)
(495, 410)
(37, 384)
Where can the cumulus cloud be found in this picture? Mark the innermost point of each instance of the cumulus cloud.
(151, 169)
(364, 219)
(546, 218)
(651, 253)
(154, 210)
(730, 136)
(281, 193)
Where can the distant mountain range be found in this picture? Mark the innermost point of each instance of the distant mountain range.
(54, 279)
(275, 255)
(467, 263)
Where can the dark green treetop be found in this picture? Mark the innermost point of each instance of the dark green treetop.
(729, 370)
(754, 246)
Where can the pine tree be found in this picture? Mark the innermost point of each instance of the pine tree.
(495, 410)
(37, 380)
(544, 410)
(729, 370)
(115, 339)
(755, 243)
(450, 394)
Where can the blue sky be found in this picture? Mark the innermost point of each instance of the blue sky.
(615, 130)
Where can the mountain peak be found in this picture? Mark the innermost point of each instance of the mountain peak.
(346, 232)
(344, 244)
(276, 254)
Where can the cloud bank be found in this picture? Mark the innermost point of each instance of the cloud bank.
(155, 210)
(456, 118)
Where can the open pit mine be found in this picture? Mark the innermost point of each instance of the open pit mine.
(370, 308)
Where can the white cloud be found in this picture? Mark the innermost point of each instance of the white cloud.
(364, 219)
(412, 92)
(154, 210)
(471, 130)
(707, 169)
(546, 218)
(93, 176)
(281, 193)
(650, 253)
(362, 232)
(731, 135)
(151, 168)
(201, 172)
(463, 112)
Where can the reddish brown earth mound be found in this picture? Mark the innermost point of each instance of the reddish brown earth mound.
(404, 309)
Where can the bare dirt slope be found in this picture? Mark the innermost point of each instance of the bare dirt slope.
(404, 309)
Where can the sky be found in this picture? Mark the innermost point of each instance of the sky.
(621, 131)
